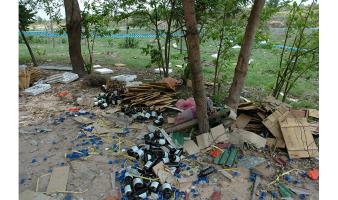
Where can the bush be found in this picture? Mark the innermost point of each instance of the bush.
(20, 40)
(110, 42)
(129, 43)
(37, 39)
(63, 41)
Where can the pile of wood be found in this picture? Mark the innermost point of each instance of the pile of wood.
(36, 74)
(157, 95)
(24, 78)
(285, 127)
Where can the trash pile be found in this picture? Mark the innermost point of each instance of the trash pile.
(156, 151)
(174, 162)
(282, 126)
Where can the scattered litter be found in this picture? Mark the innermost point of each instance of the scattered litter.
(250, 162)
(160, 70)
(104, 71)
(37, 89)
(58, 180)
(124, 78)
(313, 174)
(30, 195)
(236, 47)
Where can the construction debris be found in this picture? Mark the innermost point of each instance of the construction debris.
(37, 89)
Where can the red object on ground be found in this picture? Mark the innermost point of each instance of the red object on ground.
(216, 195)
(313, 174)
(73, 109)
(215, 153)
(62, 94)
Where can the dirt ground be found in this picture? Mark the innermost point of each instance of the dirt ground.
(44, 141)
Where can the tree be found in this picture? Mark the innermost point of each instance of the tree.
(244, 54)
(26, 17)
(195, 64)
(73, 26)
(158, 16)
(303, 55)
(52, 9)
(95, 20)
(226, 19)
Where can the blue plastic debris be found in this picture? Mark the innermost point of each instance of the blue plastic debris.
(89, 128)
(110, 162)
(302, 196)
(68, 197)
(252, 177)
(77, 154)
(262, 196)
(235, 173)
(274, 194)
(62, 164)
(296, 182)
(177, 194)
(116, 161)
(22, 181)
(288, 178)
(136, 164)
(34, 160)
(45, 158)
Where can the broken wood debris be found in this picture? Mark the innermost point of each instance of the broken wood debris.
(158, 94)
(58, 180)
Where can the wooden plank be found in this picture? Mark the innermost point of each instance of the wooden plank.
(204, 140)
(157, 101)
(298, 138)
(313, 113)
(58, 180)
(271, 123)
(218, 133)
(190, 147)
(298, 113)
(273, 142)
(251, 138)
(30, 195)
(242, 120)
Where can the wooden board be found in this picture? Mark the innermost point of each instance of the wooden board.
(218, 134)
(30, 195)
(242, 120)
(204, 140)
(271, 123)
(190, 147)
(273, 142)
(58, 179)
(313, 113)
(298, 138)
(251, 138)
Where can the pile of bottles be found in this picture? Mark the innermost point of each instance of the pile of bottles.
(141, 114)
(156, 149)
(103, 100)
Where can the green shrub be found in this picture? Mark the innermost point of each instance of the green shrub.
(129, 43)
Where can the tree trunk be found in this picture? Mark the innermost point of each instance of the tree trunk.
(244, 54)
(195, 63)
(29, 48)
(52, 32)
(73, 24)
